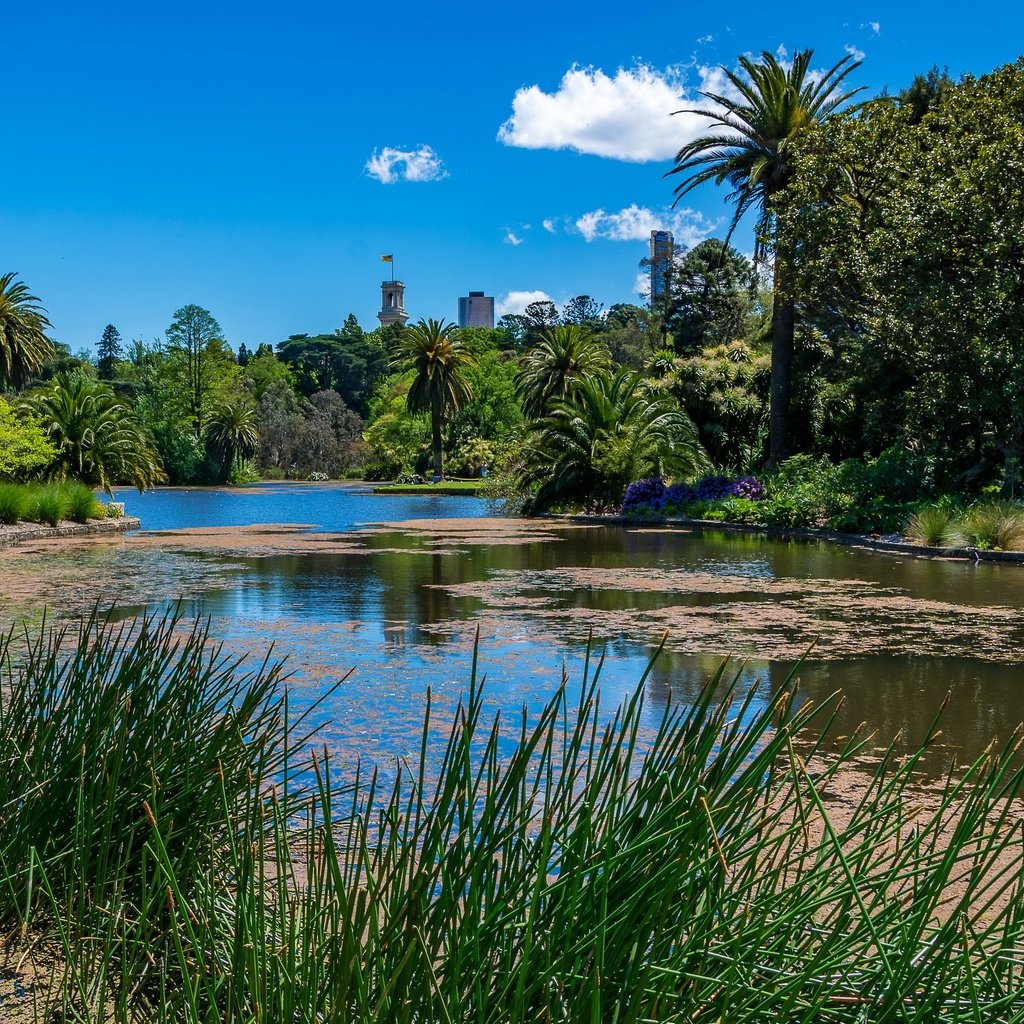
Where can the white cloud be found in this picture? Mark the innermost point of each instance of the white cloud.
(855, 52)
(873, 25)
(635, 224)
(642, 285)
(511, 238)
(390, 165)
(516, 302)
(627, 116)
(549, 225)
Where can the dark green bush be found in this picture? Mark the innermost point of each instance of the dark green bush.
(14, 503)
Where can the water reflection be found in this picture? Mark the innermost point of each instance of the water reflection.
(893, 635)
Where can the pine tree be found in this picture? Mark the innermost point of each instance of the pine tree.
(108, 352)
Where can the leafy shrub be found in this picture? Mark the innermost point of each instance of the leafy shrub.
(52, 504)
(14, 503)
(997, 525)
(935, 526)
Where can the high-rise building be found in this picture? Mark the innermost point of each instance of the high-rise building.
(392, 303)
(662, 251)
(476, 310)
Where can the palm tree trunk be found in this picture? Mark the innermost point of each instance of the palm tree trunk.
(435, 431)
(783, 329)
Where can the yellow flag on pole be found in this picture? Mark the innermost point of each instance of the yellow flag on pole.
(387, 259)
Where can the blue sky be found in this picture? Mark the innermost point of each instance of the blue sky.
(255, 158)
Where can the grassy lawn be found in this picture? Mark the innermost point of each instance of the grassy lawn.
(466, 488)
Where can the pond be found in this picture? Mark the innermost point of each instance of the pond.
(397, 587)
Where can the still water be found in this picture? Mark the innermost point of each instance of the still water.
(401, 605)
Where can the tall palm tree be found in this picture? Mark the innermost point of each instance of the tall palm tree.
(751, 145)
(98, 439)
(24, 346)
(437, 355)
(614, 430)
(233, 433)
(565, 357)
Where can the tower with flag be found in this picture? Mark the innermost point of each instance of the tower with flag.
(392, 296)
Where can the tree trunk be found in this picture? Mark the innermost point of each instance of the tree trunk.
(783, 327)
(435, 431)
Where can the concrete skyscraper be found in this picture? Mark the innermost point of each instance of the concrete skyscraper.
(476, 310)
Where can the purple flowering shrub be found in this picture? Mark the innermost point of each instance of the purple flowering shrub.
(652, 495)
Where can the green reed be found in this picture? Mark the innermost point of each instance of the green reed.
(575, 864)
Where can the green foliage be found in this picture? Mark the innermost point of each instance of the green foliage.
(911, 267)
(712, 299)
(347, 361)
(751, 145)
(995, 525)
(634, 864)
(24, 346)
(14, 503)
(614, 431)
(108, 352)
(563, 360)
(438, 360)
(97, 436)
(52, 504)
(24, 446)
(81, 501)
(196, 347)
(398, 440)
(232, 434)
(936, 526)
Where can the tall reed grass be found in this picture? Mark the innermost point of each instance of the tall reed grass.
(577, 864)
(49, 503)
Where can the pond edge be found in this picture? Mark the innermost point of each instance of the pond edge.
(19, 532)
(850, 540)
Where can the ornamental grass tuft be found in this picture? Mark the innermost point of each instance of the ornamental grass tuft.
(634, 864)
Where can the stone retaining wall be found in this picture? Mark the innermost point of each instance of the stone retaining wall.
(20, 532)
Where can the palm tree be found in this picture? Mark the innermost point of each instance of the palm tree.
(233, 433)
(24, 346)
(565, 357)
(98, 439)
(613, 431)
(754, 154)
(438, 357)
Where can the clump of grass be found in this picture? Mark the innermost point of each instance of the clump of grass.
(935, 526)
(98, 725)
(80, 500)
(13, 503)
(575, 864)
(995, 525)
(51, 504)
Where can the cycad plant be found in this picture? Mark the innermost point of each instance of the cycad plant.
(565, 358)
(98, 438)
(613, 431)
(232, 432)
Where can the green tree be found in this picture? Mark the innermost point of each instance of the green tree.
(583, 310)
(193, 336)
(24, 346)
(437, 357)
(927, 92)
(108, 352)
(98, 439)
(232, 433)
(614, 431)
(712, 299)
(751, 146)
(565, 357)
(911, 266)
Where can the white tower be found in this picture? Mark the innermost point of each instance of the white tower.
(392, 303)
